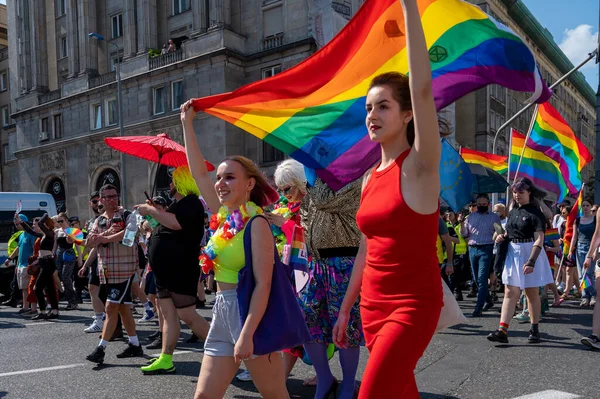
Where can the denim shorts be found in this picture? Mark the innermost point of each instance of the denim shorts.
(226, 326)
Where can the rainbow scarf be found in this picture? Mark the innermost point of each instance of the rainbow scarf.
(552, 136)
(551, 235)
(495, 162)
(315, 111)
(298, 253)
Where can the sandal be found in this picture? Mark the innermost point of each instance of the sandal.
(557, 302)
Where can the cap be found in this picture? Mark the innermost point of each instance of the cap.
(23, 217)
(159, 200)
(73, 219)
(94, 194)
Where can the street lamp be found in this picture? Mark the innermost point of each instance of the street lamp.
(99, 37)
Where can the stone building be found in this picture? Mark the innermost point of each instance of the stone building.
(6, 124)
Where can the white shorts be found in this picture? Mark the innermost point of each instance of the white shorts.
(23, 278)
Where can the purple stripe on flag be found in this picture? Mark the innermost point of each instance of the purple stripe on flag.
(555, 155)
(543, 184)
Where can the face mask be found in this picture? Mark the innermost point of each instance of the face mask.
(482, 209)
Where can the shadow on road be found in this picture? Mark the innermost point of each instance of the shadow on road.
(425, 395)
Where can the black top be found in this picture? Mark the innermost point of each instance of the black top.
(62, 242)
(178, 249)
(524, 221)
(47, 235)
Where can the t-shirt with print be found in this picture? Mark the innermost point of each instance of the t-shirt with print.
(116, 262)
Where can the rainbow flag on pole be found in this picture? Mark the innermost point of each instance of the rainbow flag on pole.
(551, 234)
(495, 162)
(586, 282)
(552, 136)
(315, 111)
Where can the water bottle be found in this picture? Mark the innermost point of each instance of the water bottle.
(151, 221)
(131, 229)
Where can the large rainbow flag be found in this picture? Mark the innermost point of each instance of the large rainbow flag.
(553, 136)
(315, 111)
(495, 162)
(541, 169)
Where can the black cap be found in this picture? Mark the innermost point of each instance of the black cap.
(158, 200)
(73, 219)
(94, 194)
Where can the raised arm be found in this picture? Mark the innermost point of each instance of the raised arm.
(47, 232)
(27, 229)
(427, 147)
(196, 159)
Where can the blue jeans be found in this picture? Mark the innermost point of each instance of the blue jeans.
(582, 250)
(481, 263)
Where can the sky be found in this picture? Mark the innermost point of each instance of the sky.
(574, 25)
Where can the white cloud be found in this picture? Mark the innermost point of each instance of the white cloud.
(578, 43)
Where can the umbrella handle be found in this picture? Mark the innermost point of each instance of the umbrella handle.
(156, 176)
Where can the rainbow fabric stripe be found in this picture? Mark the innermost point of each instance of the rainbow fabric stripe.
(495, 162)
(298, 254)
(553, 136)
(541, 169)
(551, 234)
(315, 111)
(586, 282)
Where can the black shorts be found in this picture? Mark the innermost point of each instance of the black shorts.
(93, 278)
(150, 284)
(180, 301)
(120, 292)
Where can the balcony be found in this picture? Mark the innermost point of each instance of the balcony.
(50, 96)
(103, 79)
(166, 59)
(272, 41)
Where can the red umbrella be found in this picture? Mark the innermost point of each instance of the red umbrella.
(160, 149)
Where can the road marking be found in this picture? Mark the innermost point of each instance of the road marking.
(41, 323)
(68, 366)
(549, 394)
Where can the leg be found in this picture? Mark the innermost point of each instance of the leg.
(317, 352)
(195, 322)
(67, 280)
(596, 317)
(511, 296)
(128, 321)
(349, 361)
(112, 314)
(289, 361)
(40, 284)
(201, 293)
(268, 376)
(533, 304)
(138, 292)
(485, 264)
(97, 304)
(171, 328)
(216, 374)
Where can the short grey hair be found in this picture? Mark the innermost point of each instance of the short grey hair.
(291, 172)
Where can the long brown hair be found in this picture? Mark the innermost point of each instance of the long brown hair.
(262, 194)
(49, 222)
(400, 87)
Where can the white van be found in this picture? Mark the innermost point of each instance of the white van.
(32, 205)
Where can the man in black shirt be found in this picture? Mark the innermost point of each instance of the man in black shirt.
(173, 255)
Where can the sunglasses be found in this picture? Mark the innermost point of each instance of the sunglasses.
(60, 221)
(94, 202)
(285, 190)
(109, 197)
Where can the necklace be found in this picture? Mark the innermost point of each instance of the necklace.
(288, 210)
(226, 226)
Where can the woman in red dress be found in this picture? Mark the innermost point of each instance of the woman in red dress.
(396, 270)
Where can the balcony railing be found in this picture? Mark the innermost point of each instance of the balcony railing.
(273, 41)
(50, 96)
(103, 79)
(166, 59)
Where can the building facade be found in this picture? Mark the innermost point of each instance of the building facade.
(6, 124)
(480, 114)
(63, 101)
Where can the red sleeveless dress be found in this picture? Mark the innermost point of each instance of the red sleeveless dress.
(401, 296)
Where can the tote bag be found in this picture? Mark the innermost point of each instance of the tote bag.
(282, 326)
(451, 314)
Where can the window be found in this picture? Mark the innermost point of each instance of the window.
(5, 153)
(5, 117)
(273, 21)
(112, 114)
(61, 7)
(271, 71)
(113, 63)
(63, 47)
(176, 94)
(3, 81)
(117, 25)
(159, 100)
(96, 116)
(180, 6)
(57, 120)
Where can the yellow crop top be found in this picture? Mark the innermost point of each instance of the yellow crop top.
(231, 260)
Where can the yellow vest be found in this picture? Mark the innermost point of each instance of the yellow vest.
(461, 247)
(441, 254)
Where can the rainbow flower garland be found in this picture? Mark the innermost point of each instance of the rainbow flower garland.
(287, 210)
(226, 227)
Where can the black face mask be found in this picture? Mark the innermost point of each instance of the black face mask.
(482, 209)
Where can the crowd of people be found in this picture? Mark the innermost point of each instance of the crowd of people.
(369, 269)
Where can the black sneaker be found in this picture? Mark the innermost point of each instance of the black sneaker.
(476, 312)
(472, 294)
(72, 306)
(52, 316)
(458, 296)
(193, 339)
(153, 336)
(200, 304)
(591, 342)
(131, 351)
(488, 306)
(40, 316)
(498, 336)
(97, 356)
(156, 344)
(534, 337)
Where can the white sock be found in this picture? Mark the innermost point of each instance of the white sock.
(103, 343)
(148, 306)
(98, 317)
(133, 340)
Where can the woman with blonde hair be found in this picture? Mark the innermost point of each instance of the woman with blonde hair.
(238, 195)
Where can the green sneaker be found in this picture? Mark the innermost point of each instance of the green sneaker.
(161, 365)
(522, 317)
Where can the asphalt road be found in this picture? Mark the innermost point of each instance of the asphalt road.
(47, 360)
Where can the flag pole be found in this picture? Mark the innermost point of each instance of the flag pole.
(525, 144)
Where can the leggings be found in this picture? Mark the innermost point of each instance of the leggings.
(45, 281)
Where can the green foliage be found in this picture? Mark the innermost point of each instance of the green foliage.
(153, 53)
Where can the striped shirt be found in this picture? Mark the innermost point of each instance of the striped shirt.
(479, 227)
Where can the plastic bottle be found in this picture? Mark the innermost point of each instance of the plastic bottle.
(151, 221)
(131, 229)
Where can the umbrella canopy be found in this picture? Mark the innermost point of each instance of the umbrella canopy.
(486, 180)
(160, 149)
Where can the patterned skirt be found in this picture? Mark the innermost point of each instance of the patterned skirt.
(322, 297)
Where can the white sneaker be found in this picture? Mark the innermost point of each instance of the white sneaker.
(244, 376)
(148, 317)
(96, 327)
(591, 342)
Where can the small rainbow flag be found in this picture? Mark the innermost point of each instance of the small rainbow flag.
(551, 234)
(495, 162)
(298, 253)
(586, 282)
(552, 136)
(575, 213)
(315, 111)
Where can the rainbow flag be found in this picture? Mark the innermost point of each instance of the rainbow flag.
(315, 111)
(586, 282)
(543, 171)
(551, 234)
(553, 136)
(576, 212)
(298, 253)
(495, 162)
